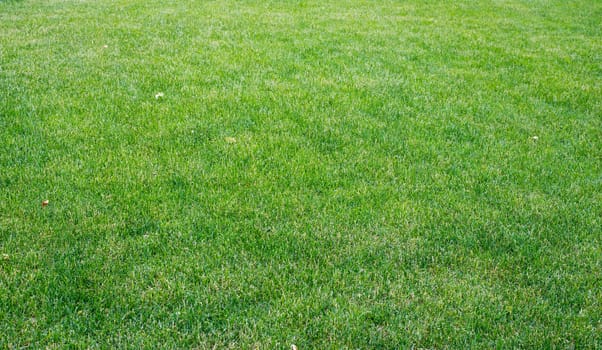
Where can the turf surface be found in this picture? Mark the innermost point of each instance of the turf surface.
(329, 174)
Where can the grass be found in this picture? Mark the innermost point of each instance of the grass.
(329, 174)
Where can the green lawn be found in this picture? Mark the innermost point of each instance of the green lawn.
(324, 173)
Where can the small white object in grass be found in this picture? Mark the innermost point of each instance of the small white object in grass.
(293, 347)
(535, 138)
(105, 46)
(158, 95)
